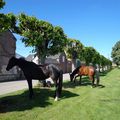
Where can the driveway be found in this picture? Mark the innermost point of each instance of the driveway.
(8, 87)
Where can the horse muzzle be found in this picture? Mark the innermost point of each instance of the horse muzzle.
(7, 69)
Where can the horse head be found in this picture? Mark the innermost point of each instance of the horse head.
(11, 63)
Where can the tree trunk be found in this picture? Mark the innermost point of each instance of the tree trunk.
(99, 67)
(42, 59)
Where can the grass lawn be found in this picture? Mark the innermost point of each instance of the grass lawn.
(77, 102)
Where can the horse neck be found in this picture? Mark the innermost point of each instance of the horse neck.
(20, 63)
(75, 71)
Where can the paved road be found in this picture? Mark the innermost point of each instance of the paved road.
(8, 87)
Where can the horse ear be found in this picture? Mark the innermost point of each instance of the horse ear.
(13, 57)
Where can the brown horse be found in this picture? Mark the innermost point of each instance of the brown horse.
(85, 71)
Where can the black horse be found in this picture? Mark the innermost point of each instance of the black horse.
(34, 71)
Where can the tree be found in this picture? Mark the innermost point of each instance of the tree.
(74, 51)
(74, 48)
(103, 62)
(89, 54)
(96, 60)
(41, 35)
(2, 3)
(116, 53)
(7, 21)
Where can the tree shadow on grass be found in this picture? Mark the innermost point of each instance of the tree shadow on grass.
(21, 102)
(104, 73)
(85, 81)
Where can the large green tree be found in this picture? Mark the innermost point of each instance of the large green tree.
(74, 51)
(7, 21)
(2, 3)
(74, 48)
(96, 58)
(89, 55)
(45, 38)
(116, 53)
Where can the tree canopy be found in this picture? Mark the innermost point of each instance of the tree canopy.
(2, 3)
(116, 53)
(7, 21)
(89, 53)
(74, 48)
(47, 39)
(42, 35)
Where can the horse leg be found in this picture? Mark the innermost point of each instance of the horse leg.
(75, 78)
(57, 90)
(80, 79)
(30, 88)
(60, 83)
(97, 84)
(93, 80)
(98, 78)
(44, 83)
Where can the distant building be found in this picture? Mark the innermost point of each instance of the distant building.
(58, 59)
(114, 65)
(7, 50)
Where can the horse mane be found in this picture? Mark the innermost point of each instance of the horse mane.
(76, 70)
(22, 58)
(43, 65)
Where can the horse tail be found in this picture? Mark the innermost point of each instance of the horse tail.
(60, 82)
(97, 77)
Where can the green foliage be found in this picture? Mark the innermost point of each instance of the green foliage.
(116, 53)
(96, 58)
(74, 46)
(89, 54)
(2, 3)
(7, 21)
(43, 36)
(47, 39)
(58, 42)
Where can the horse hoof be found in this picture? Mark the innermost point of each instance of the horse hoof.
(92, 86)
(56, 99)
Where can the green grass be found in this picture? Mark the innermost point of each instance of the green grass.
(77, 102)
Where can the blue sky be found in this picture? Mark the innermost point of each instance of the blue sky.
(95, 23)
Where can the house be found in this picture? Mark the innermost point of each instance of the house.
(58, 59)
(7, 50)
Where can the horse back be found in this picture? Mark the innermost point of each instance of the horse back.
(86, 70)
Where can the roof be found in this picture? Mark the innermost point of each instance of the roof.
(30, 57)
(54, 56)
(19, 56)
(57, 56)
(10, 33)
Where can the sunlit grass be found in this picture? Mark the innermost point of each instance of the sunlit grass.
(77, 102)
